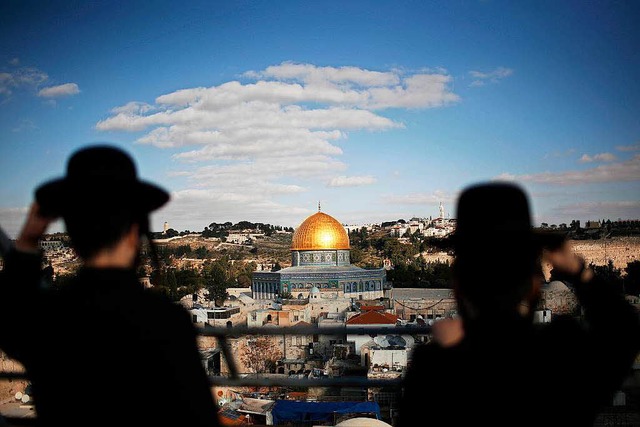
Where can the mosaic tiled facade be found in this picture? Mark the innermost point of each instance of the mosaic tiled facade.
(320, 259)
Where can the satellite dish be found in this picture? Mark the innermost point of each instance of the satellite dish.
(18, 395)
(396, 340)
(26, 398)
(381, 341)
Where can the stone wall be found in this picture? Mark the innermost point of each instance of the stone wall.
(8, 387)
(621, 250)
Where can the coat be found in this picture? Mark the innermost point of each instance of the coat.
(103, 350)
(509, 371)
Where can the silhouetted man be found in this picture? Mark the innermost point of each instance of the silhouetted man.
(102, 350)
(492, 365)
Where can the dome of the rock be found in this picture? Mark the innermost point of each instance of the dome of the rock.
(320, 231)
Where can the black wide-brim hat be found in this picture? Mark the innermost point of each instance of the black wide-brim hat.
(99, 177)
(495, 216)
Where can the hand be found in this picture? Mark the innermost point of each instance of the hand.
(566, 261)
(33, 229)
(448, 332)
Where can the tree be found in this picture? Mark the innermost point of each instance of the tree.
(609, 274)
(201, 252)
(172, 284)
(244, 281)
(216, 282)
(261, 354)
(171, 233)
(356, 255)
(189, 279)
(286, 295)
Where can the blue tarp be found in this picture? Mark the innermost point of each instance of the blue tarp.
(291, 410)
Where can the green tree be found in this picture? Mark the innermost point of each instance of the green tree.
(356, 255)
(216, 282)
(286, 295)
(201, 252)
(609, 274)
(244, 281)
(171, 233)
(172, 284)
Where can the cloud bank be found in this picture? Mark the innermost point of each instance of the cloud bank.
(21, 78)
(17, 77)
(279, 130)
(624, 171)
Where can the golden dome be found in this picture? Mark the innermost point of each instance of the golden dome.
(320, 231)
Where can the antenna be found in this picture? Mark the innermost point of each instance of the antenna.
(318, 205)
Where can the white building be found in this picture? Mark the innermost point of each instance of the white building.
(391, 359)
(368, 318)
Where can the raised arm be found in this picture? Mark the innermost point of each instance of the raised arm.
(20, 281)
(611, 323)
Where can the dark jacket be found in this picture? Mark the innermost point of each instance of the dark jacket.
(508, 371)
(103, 350)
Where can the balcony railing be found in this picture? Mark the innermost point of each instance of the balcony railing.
(237, 379)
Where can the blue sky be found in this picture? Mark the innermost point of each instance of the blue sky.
(257, 110)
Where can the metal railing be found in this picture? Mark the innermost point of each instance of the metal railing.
(234, 378)
(237, 379)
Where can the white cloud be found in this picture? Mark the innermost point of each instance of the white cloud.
(250, 175)
(602, 157)
(430, 199)
(625, 171)
(585, 159)
(351, 181)
(66, 89)
(12, 220)
(505, 177)
(560, 154)
(132, 108)
(596, 210)
(310, 73)
(186, 208)
(296, 112)
(14, 61)
(280, 133)
(482, 78)
(634, 147)
(23, 77)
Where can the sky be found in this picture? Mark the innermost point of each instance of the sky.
(379, 110)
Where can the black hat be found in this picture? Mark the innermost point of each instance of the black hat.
(99, 177)
(496, 216)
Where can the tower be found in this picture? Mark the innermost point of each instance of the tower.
(441, 210)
